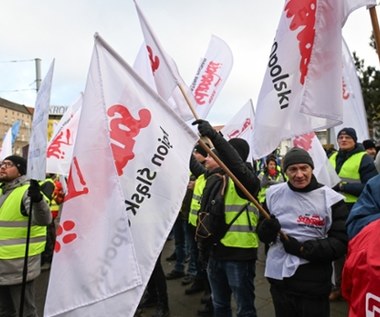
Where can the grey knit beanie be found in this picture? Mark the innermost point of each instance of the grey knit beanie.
(297, 156)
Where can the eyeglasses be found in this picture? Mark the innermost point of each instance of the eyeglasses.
(6, 164)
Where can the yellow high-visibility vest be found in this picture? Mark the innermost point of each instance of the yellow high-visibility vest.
(195, 205)
(14, 226)
(242, 233)
(349, 172)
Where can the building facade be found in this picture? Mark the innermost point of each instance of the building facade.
(10, 112)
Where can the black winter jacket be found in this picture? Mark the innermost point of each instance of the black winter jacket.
(314, 278)
(246, 175)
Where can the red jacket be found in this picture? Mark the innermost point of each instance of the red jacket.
(361, 273)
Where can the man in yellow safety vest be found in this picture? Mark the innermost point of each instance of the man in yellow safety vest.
(19, 196)
(354, 167)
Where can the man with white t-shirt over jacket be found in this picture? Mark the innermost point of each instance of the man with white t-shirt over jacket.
(312, 216)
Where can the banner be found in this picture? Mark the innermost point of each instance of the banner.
(60, 149)
(128, 178)
(241, 125)
(15, 129)
(166, 76)
(36, 168)
(302, 87)
(6, 146)
(354, 113)
(211, 76)
(323, 170)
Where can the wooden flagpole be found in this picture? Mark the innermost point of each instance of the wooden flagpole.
(375, 27)
(221, 164)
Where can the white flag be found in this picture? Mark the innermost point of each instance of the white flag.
(150, 147)
(302, 87)
(354, 114)
(143, 67)
(211, 76)
(241, 125)
(6, 146)
(323, 170)
(60, 149)
(94, 258)
(165, 72)
(36, 168)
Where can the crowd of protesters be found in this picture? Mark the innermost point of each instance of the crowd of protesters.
(311, 232)
(305, 235)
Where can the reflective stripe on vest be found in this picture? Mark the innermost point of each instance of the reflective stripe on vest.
(195, 205)
(242, 233)
(349, 172)
(13, 228)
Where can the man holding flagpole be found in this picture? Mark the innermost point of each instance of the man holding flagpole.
(232, 259)
(16, 198)
(298, 265)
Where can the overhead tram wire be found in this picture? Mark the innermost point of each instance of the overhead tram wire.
(18, 61)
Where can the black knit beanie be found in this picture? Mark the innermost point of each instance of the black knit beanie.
(19, 162)
(349, 131)
(200, 150)
(241, 146)
(369, 144)
(297, 156)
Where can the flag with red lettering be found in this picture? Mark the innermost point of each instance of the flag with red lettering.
(211, 76)
(323, 170)
(36, 168)
(241, 125)
(169, 84)
(60, 149)
(354, 113)
(302, 87)
(142, 67)
(128, 177)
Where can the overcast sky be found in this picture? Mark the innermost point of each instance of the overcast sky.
(63, 30)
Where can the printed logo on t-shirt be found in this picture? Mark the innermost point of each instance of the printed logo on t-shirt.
(311, 220)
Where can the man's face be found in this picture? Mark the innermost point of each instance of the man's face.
(199, 157)
(371, 152)
(210, 163)
(345, 142)
(271, 165)
(299, 175)
(8, 171)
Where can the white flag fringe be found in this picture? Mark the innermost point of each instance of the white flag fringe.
(125, 227)
(36, 168)
(211, 76)
(60, 149)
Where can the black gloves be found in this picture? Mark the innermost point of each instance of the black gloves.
(339, 187)
(205, 128)
(34, 191)
(269, 229)
(336, 187)
(292, 245)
